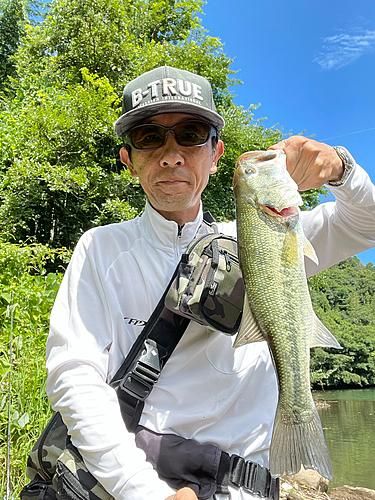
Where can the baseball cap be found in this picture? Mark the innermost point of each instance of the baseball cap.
(167, 90)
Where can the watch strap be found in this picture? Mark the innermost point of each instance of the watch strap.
(348, 162)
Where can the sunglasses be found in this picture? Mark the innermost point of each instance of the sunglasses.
(149, 136)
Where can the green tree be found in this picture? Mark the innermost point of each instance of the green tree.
(62, 169)
(343, 299)
(119, 39)
(12, 26)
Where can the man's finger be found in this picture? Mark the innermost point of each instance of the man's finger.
(184, 494)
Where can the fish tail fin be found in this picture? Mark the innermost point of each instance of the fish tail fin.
(295, 445)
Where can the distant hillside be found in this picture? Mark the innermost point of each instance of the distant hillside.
(344, 299)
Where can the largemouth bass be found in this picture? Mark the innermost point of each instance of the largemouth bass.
(277, 307)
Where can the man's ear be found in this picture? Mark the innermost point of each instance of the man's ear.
(125, 159)
(218, 153)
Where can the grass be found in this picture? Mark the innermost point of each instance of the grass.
(29, 290)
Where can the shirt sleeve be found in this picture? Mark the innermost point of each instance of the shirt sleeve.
(343, 228)
(77, 366)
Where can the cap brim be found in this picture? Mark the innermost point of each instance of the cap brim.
(133, 117)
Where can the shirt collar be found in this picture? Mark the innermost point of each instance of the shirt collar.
(167, 234)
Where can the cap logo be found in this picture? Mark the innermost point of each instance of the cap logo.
(169, 89)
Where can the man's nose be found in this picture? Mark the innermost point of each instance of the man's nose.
(171, 152)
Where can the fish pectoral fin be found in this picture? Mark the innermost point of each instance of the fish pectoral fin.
(289, 255)
(248, 331)
(322, 337)
(309, 251)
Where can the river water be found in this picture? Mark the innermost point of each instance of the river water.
(349, 429)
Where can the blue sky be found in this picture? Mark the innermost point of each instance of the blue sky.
(311, 66)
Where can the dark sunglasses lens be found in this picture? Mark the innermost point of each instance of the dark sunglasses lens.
(147, 136)
(152, 136)
(192, 133)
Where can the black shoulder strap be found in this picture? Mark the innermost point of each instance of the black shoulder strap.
(208, 218)
(153, 347)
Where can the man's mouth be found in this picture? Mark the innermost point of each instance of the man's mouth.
(171, 181)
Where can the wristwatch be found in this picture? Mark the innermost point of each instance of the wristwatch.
(349, 163)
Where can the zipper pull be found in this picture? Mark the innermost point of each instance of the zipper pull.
(228, 261)
(43, 491)
(179, 231)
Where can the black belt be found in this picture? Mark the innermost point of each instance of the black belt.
(251, 476)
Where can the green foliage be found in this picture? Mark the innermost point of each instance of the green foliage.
(12, 24)
(62, 174)
(120, 39)
(27, 293)
(344, 299)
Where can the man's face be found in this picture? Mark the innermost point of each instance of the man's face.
(174, 176)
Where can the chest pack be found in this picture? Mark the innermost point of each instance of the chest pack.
(206, 287)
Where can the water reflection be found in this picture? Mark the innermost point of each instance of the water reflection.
(349, 428)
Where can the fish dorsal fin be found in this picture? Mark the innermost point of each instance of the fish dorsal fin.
(309, 251)
(322, 337)
(248, 331)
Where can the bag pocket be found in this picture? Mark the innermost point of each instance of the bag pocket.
(73, 481)
(221, 301)
(38, 489)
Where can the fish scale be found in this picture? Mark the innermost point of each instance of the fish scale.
(278, 307)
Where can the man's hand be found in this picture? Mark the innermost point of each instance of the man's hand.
(310, 163)
(184, 494)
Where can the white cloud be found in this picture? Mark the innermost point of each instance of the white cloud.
(340, 50)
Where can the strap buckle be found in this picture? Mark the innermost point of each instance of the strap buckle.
(145, 372)
(257, 479)
(254, 478)
(222, 496)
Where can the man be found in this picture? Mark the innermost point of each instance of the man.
(208, 392)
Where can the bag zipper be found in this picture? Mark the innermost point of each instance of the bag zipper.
(213, 236)
(43, 437)
(61, 473)
(228, 258)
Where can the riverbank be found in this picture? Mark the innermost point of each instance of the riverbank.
(309, 485)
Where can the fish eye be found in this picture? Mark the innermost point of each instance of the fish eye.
(249, 171)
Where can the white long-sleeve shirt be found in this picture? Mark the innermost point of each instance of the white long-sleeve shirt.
(208, 391)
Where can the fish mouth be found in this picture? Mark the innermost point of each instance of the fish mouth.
(285, 212)
(274, 191)
(257, 156)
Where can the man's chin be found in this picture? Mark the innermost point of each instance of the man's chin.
(176, 204)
